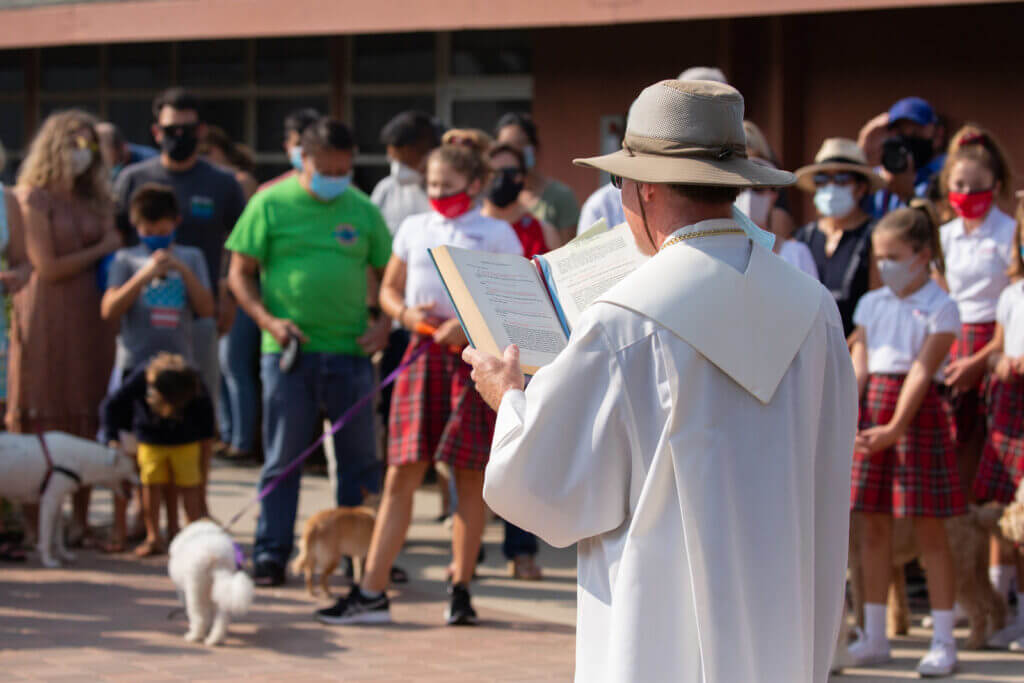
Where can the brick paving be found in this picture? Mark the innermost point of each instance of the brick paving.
(105, 618)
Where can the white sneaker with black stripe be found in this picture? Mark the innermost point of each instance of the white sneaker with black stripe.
(356, 608)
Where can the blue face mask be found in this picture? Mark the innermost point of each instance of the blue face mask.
(295, 157)
(529, 157)
(154, 242)
(328, 187)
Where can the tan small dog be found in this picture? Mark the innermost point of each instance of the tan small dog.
(328, 536)
(1011, 524)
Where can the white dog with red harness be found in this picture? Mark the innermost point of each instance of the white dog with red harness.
(45, 468)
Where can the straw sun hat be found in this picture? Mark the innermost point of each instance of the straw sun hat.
(687, 133)
(836, 155)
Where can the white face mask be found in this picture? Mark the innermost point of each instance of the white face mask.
(835, 200)
(404, 175)
(898, 275)
(757, 206)
(81, 160)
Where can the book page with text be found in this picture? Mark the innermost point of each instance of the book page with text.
(581, 271)
(514, 303)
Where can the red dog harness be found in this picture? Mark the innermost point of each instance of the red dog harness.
(51, 468)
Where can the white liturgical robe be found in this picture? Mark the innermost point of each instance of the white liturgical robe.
(695, 439)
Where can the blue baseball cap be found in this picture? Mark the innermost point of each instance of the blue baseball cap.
(912, 109)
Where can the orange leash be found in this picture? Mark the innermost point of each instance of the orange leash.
(429, 330)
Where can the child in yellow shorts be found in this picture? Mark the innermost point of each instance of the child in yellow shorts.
(166, 407)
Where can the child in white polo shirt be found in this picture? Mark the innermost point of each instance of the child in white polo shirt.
(1001, 469)
(978, 247)
(904, 463)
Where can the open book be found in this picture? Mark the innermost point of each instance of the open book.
(504, 299)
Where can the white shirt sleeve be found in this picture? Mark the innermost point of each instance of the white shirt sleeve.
(863, 313)
(505, 241)
(589, 214)
(946, 319)
(805, 260)
(400, 245)
(560, 460)
(1003, 307)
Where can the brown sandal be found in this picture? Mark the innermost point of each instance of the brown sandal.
(523, 568)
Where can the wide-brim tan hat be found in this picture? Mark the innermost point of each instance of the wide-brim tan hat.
(687, 133)
(837, 155)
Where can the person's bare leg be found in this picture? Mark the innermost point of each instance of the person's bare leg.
(30, 518)
(170, 494)
(151, 499)
(937, 560)
(206, 456)
(80, 509)
(470, 515)
(392, 523)
(444, 487)
(876, 556)
(191, 497)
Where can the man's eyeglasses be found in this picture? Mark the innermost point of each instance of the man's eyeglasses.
(840, 178)
(180, 129)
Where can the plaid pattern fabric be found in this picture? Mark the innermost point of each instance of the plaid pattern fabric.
(918, 476)
(969, 407)
(1002, 462)
(437, 414)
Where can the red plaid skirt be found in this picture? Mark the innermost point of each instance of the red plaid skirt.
(918, 476)
(1002, 462)
(437, 414)
(969, 407)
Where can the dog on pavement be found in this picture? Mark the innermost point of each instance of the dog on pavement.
(27, 475)
(1011, 524)
(328, 536)
(203, 566)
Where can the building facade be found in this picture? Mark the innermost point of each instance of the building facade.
(808, 70)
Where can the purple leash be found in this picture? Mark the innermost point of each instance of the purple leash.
(342, 421)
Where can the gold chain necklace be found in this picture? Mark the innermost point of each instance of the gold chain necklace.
(702, 233)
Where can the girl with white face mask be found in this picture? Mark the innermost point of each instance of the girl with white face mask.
(840, 238)
(904, 463)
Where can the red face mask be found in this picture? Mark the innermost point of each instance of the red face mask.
(452, 206)
(972, 205)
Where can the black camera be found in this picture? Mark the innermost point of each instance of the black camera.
(896, 155)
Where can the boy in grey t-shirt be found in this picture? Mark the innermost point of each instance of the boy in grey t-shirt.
(156, 288)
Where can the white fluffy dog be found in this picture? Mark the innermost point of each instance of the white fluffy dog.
(76, 462)
(202, 566)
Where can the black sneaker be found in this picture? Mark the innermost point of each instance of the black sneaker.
(267, 574)
(356, 608)
(460, 612)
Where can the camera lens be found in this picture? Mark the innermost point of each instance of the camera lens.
(895, 155)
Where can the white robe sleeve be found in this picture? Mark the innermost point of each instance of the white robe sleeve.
(560, 460)
(833, 460)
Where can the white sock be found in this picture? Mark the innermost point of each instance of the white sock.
(370, 594)
(942, 626)
(874, 623)
(1000, 576)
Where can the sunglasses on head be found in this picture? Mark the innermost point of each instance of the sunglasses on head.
(840, 178)
(83, 142)
(617, 181)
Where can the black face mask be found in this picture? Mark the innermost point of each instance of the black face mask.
(921, 149)
(506, 187)
(179, 142)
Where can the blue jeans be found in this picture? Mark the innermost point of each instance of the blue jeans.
(294, 404)
(239, 398)
(518, 542)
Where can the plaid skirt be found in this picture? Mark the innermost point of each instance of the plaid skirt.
(1002, 462)
(437, 414)
(969, 406)
(918, 476)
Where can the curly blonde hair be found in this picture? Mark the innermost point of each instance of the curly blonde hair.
(48, 164)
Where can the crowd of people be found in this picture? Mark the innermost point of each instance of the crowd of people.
(156, 292)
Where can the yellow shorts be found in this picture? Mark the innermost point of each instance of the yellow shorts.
(157, 464)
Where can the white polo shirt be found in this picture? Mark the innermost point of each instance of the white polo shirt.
(976, 264)
(896, 328)
(1010, 314)
(471, 230)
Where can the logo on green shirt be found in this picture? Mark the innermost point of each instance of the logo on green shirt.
(346, 235)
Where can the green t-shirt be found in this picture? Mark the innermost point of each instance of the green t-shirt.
(313, 257)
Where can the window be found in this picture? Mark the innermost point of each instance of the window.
(490, 53)
(484, 114)
(292, 61)
(134, 118)
(70, 68)
(212, 62)
(270, 114)
(12, 71)
(142, 66)
(401, 58)
(373, 113)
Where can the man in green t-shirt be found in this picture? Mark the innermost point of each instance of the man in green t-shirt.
(300, 254)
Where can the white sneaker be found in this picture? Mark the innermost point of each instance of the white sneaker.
(939, 661)
(1017, 645)
(1000, 640)
(865, 653)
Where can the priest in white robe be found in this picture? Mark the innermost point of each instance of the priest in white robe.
(695, 437)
